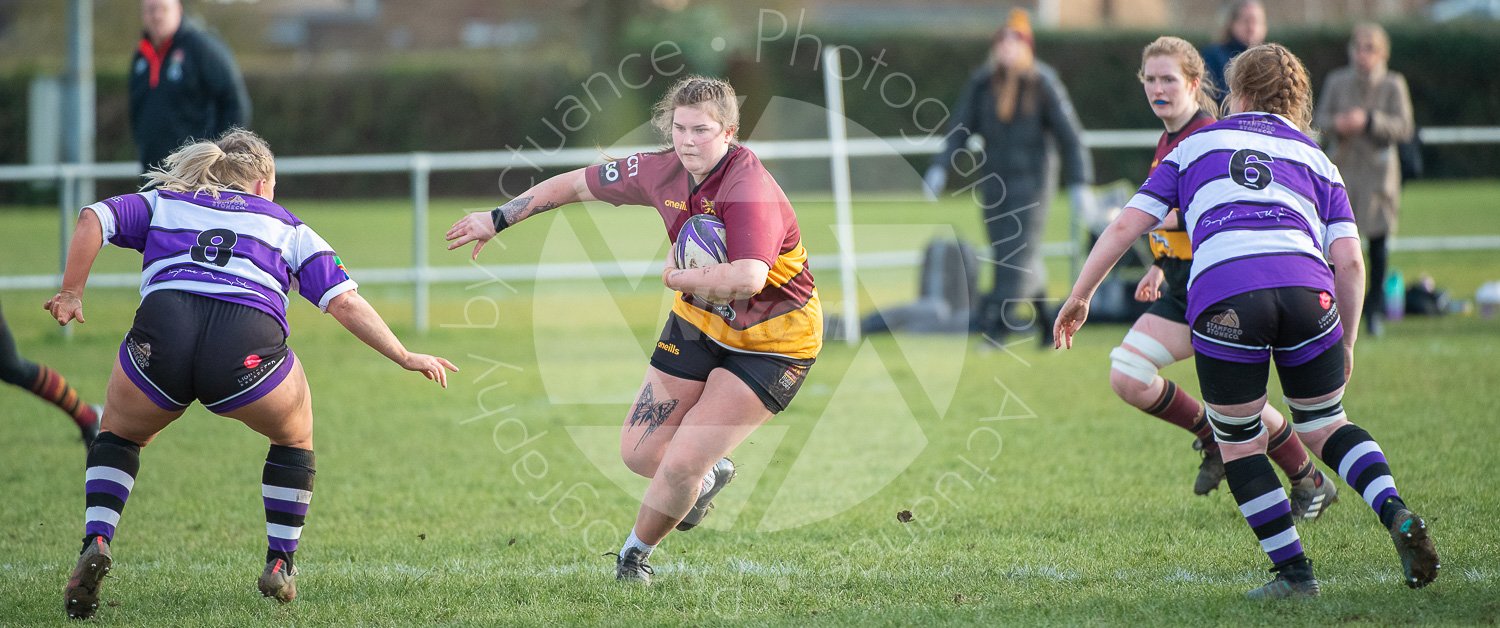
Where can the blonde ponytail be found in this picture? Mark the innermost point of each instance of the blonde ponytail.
(236, 160)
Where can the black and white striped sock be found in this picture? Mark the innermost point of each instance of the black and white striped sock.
(1265, 506)
(112, 465)
(1358, 458)
(286, 488)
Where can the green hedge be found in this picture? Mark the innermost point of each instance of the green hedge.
(1448, 68)
(403, 109)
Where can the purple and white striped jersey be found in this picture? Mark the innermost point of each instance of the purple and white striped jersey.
(1261, 203)
(239, 248)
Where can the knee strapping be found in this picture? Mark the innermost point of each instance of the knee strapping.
(1150, 347)
(1150, 355)
(1313, 417)
(1131, 365)
(1234, 429)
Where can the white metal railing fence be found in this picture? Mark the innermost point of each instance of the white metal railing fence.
(420, 165)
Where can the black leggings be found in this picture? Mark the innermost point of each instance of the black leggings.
(1015, 216)
(14, 369)
(1375, 288)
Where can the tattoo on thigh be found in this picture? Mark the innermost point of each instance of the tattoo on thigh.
(650, 413)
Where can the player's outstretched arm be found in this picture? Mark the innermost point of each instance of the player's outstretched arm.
(480, 227)
(1116, 239)
(88, 238)
(356, 315)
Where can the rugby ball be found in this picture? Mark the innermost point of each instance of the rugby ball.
(700, 243)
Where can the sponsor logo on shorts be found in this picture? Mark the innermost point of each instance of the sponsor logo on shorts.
(256, 372)
(668, 347)
(1326, 320)
(724, 311)
(791, 376)
(1227, 318)
(1225, 325)
(252, 361)
(140, 352)
(1325, 299)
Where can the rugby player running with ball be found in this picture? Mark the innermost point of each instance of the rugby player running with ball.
(717, 372)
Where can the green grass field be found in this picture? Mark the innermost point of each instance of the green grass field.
(1036, 496)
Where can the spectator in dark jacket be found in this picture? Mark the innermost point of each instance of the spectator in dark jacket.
(1021, 110)
(1244, 27)
(184, 85)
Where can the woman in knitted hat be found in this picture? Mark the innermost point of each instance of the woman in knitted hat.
(1019, 108)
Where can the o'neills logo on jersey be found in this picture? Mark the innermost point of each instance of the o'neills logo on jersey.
(231, 202)
(677, 205)
(1226, 325)
(668, 347)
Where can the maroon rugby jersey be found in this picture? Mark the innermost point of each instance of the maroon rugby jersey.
(1174, 243)
(785, 317)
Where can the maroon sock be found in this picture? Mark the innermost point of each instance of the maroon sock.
(53, 387)
(1287, 452)
(1177, 407)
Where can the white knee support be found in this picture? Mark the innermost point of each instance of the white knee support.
(1142, 366)
(1311, 418)
(1150, 347)
(1131, 365)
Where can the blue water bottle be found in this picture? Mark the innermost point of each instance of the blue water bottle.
(1395, 296)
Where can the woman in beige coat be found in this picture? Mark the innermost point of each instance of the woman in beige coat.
(1365, 112)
